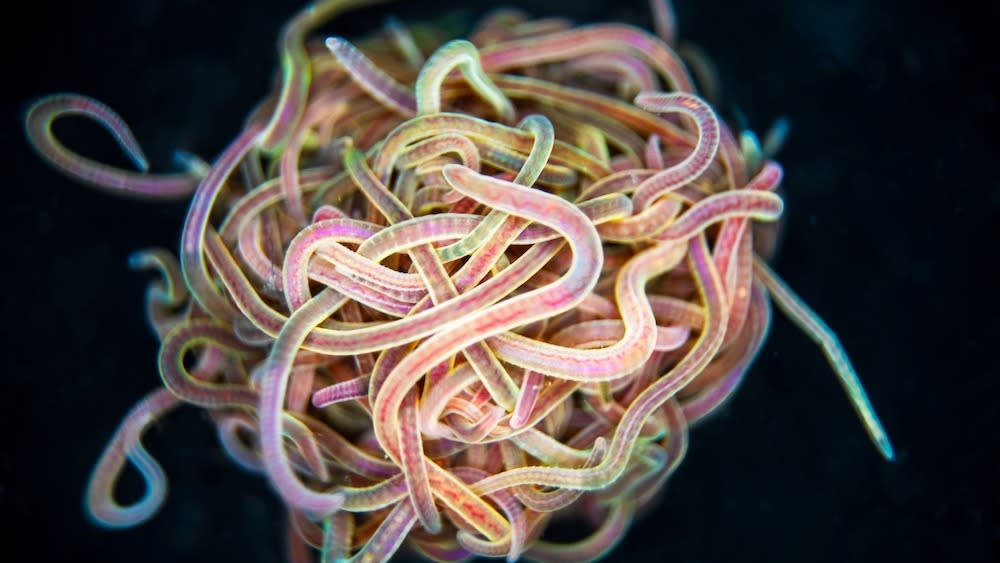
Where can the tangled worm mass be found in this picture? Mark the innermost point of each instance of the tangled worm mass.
(442, 292)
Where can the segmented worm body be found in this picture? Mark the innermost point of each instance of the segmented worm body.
(443, 292)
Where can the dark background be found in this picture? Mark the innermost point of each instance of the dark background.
(892, 207)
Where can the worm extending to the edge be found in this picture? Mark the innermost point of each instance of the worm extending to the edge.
(441, 293)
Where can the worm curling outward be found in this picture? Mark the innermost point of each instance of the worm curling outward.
(443, 292)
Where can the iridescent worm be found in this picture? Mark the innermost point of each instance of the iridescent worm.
(441, 292)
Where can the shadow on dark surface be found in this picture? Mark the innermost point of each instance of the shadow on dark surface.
(890, 207)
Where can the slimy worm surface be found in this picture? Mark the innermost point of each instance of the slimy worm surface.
(443, 292)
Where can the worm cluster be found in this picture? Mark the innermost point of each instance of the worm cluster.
(442, 292)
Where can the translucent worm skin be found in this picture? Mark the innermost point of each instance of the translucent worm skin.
(296, 72)
(372, 79)
(580, 279)
(272, 396)
(328, 108)
(337, 532)
(600, 542)
(692, 167)
(38, 126)
(164, 298)
(492, 373)
(632, 73)
(544, 134)
(707, 401)
(612, 362)
(431, 125)
(814, 327)
(193, 238)
(100, 502)
(418, 153)
(647, 402)
(511, 546)
(595, 38)
(374, 337)
(346, 391)
(229, 429)
(178, 379)
(442, 292)
(767, 179)
(763, 206)
(464, 56)
(414, 469)
(405, 42)
(665, 20)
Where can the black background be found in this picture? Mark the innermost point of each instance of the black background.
(892, 207)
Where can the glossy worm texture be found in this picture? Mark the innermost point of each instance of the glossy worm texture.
(442, 292)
